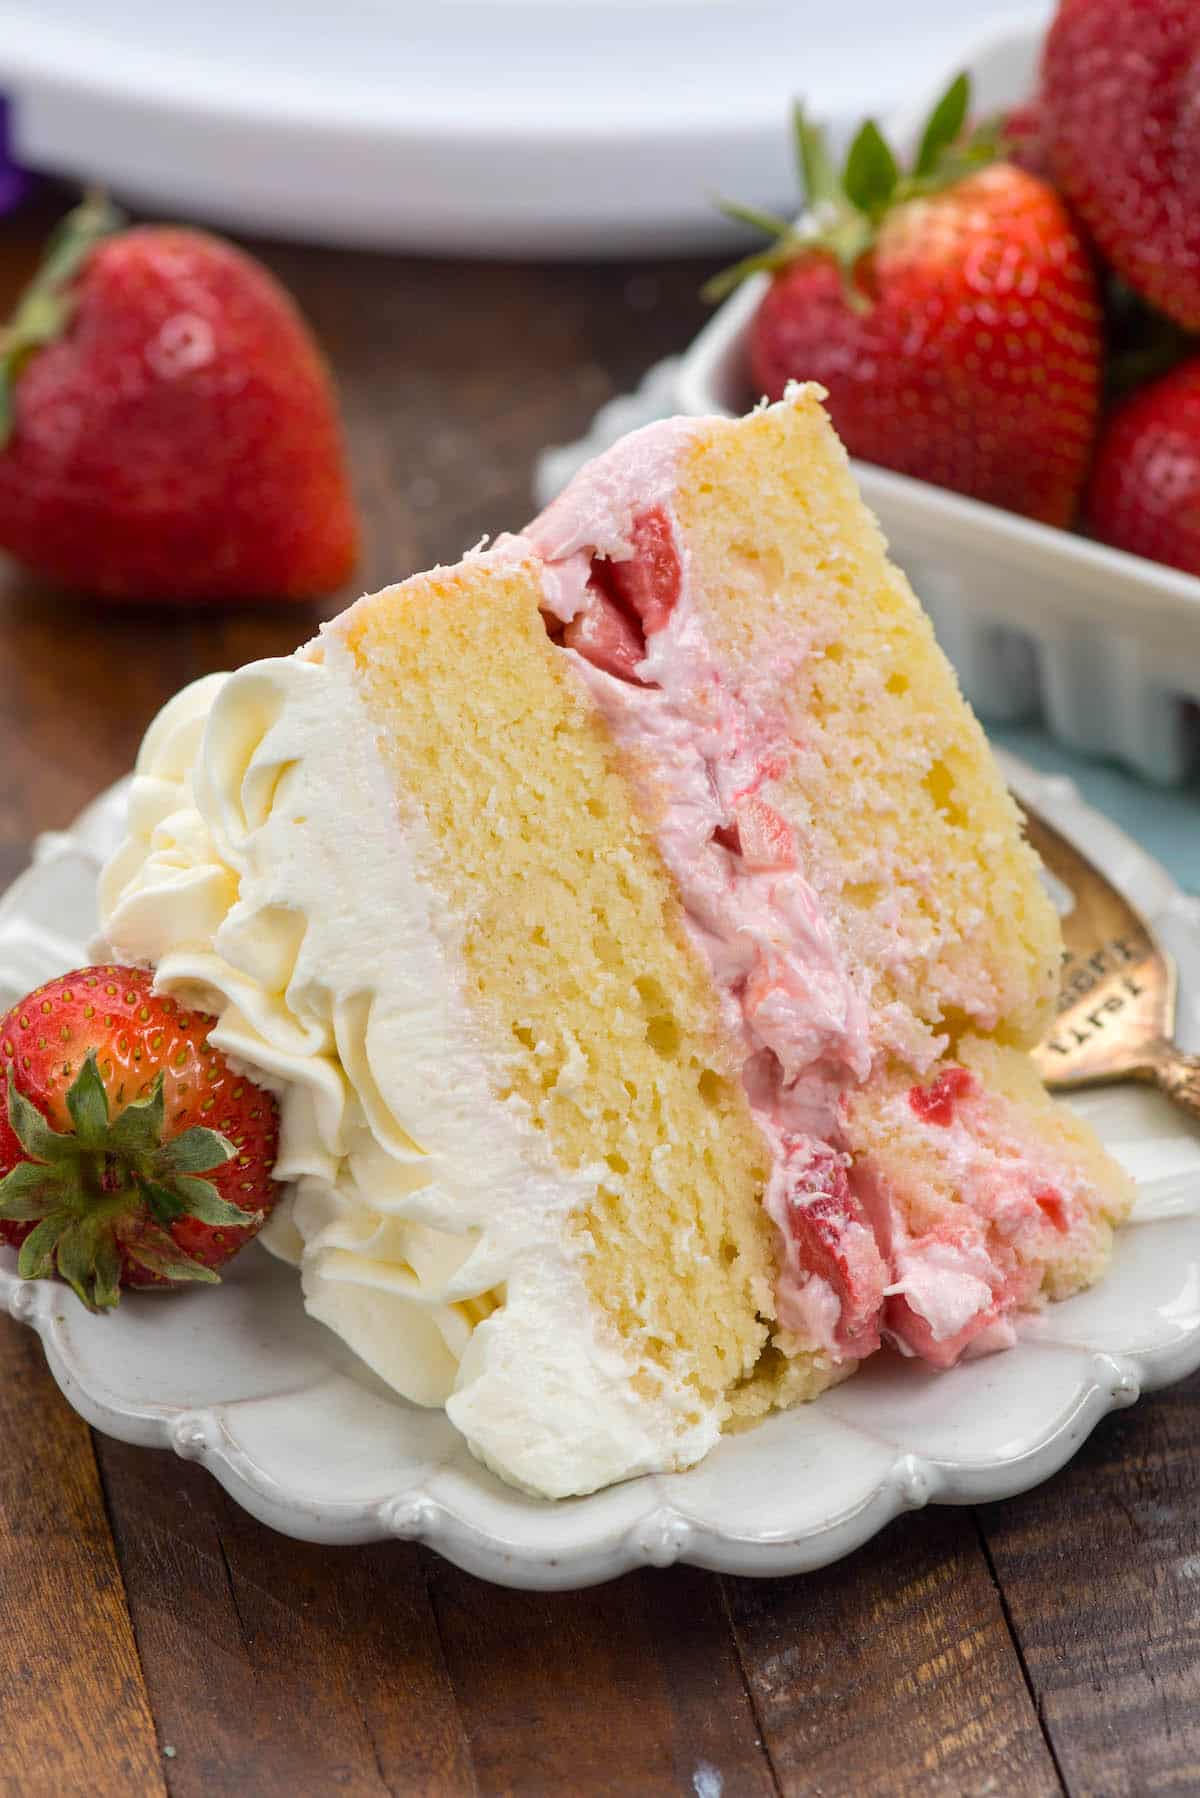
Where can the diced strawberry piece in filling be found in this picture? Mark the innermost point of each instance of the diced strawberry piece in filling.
(988, 1326)
(760, 836)
(765, 839)
(626, 601)
(913, 1332)
(960, 1284)
(1053, 1207)
(826, 1237)
(649, 581)
(771, 765)
(935, 1104)
(603, 634)
(774, 997)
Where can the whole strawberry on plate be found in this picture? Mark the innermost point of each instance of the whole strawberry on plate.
(1120, 110)
(168, 428)
(131, 1153)
(951, 313)
(1144, 494)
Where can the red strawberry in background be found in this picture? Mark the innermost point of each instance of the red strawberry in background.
(168, 429)
(131, 1154)
(1121, 113)
(1145, 490)
(950, 312)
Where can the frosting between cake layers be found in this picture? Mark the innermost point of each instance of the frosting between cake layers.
(269, 881)
(700, 745)
(702, 750)
(699, 751)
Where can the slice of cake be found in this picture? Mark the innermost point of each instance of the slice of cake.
(643, 946)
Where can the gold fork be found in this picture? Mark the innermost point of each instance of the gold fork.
(1116, 1009)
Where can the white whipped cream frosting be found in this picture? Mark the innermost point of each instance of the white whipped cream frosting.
(267, 878)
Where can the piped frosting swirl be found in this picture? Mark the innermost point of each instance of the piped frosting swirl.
(269, 883)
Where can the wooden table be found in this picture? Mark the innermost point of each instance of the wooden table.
(156, 1639)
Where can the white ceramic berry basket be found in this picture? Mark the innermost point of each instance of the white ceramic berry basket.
(1104, 646)
(238, 1377)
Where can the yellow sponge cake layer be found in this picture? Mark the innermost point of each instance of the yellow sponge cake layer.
(577, 962)
(909, 834)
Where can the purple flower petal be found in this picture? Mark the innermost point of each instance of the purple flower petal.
(14, 181)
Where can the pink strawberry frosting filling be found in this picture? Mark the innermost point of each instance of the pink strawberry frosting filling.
(706, 748)
(617, 597)
(957, 1284)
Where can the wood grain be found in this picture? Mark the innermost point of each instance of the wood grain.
(1101, 1573)
(893, 1672)
(632, 1687)
(276, 1666)
(73, 1710)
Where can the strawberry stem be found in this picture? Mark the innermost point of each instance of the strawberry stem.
(843, 212)
(44, 309)
(944, 126)
(871, 172)
(818, 177)
(110, 1188)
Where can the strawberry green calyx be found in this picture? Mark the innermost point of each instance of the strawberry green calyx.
(843, 212)
(44, 309)
(107, 1192)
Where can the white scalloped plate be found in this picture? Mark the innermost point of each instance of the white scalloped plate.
(302, 1436)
